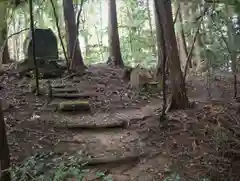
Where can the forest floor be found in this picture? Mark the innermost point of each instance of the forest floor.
(202, 142)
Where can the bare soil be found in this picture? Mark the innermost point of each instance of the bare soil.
(195, 143)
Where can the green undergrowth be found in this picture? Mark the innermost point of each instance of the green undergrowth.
(49, 167)
(52, 167)
(176, 177)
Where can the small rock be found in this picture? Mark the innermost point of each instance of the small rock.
(6, 105)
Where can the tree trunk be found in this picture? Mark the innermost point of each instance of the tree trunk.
(3, 10)
(159, 42)
(5, 53)
(151, 28)
(4, 150)
(115, 56)
(232, 45)
(182, 46)
(179, 99)
(197, 59)
(74, 51)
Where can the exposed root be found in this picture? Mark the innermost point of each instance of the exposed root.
(113, 160)
(65, 90)
(73, 96)
(121, 124)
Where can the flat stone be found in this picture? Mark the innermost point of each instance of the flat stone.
(101, 145)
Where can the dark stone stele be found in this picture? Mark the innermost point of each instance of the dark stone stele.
(46, 45)
(46, 48)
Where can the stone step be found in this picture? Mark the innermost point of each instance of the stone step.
(64, 90)
(74, 95)
(102, 147)
(73, 106)
(121, 118)
(73, 121)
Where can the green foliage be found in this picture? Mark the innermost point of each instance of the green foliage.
(48, 167)
(173, 177)
(137, 38)
(176, 177)
(135, 35)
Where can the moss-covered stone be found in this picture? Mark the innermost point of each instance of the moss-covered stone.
(79, 105)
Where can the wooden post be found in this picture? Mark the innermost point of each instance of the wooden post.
(4, 150)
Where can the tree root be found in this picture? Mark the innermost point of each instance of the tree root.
(177, 104)
(121, 124)
(73, 96)
(113, 160)
(65, 90)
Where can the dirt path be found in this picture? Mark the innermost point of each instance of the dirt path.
(107, 138)
(121, 131)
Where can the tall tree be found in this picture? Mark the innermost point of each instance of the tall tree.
(74, 51)
(232, 45)
(115, 56)
(5, 53)
(150, 26)
(3, 11)
(194, 12)
(179, 97)
(4, 150)
(159, 40)
(182, 46)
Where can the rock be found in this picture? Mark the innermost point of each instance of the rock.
(6, 106)
(127, 74)
(154, 87)
(43, 86)
(139, 76)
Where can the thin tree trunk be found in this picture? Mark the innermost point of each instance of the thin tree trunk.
(179, 99)
(160, 45)
(4, 150)
(151, 28)
(86, 45)
(5, 56)
(3, 10)
(115, 56)
(74, 52)
(189, 57)
(181, 38)
(164, 59)
(233, 54)
(198, 44)
(59, 32)
(99, 44)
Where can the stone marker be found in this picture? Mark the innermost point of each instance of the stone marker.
(46, 53)
(46, 44)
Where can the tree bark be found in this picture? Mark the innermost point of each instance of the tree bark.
(197, 59)
(4, 150)
(115, 56)
(159, 42)
(232, 46)
(179, 99)
(151, 28)
(74, 51)
(3, 11)
(5, 53)
(182, 46)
